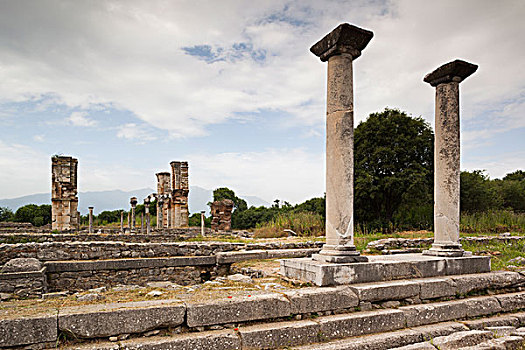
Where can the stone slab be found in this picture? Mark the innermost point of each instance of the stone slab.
(291, 253)
(239, 309)
(126, 264)
(104, 320)
(417, 315)
(496, 321)
(216, 340)
(482, 306)
(306, 300)
(28, 330)
(417, 346)
(233, 257)
(279, 334)
(512, 302)
(382, 268)
(360, 323)
(461, 339)
(390, 290)
(494, 280)
(433, 288)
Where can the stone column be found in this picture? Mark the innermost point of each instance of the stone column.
(160, 210)
(133, 201)
(446, 80)
(90, 219)
(64, 194)
(122, 221)
(129, 220)
(202, 223)
(141, 222)
(340, 48)
(148, 226)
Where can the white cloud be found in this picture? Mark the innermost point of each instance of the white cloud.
(293, 174)
(39, 138)
(24, 170)
(81, 119)
(132, 131)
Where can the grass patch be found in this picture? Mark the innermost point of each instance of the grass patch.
(495, 221)
(501, 252)
(302, 223)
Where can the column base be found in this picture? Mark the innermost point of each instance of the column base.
(339, 255)
(446, 250)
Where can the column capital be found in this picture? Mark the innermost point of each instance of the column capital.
(457, 71)
(346, 38)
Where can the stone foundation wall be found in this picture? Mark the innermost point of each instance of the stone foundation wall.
(24, 284)
(52, 251)
(401, 243)
(83, 280)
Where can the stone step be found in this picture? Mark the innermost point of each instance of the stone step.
(379, 329)
(337, 304)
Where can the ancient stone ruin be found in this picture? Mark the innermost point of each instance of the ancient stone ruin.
(172, 196)
(64, 200)
(221, 212)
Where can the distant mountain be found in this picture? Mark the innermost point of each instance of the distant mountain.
(117, 199)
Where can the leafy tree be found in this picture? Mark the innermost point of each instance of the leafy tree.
(518, 175)
(225, 193)
(476, 192)
(314, 205)
(36, 215)
(195, 220)
(393, 163)
(6, 214)
(109, 216)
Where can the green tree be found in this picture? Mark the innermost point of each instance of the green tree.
(477, 194)
(518, 175)
(393, 163)
(195, 220)
(6, 214)
(108, 216)
(36, 215)
(225, 193)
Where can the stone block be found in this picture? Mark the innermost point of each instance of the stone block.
(494, 280)
(233, 257)
(429, 332)
(28, 330)
(321, 299)
(496, 321)
(382, 268)
(360, 323)
(278, 335)
(291, 253)
(433, 288)
(240, 309)
(417, 315)
(482, 306)
(512, 302)
(461, 340)
(417, 346)
(216, 340)
(391, 290)
(104, 320)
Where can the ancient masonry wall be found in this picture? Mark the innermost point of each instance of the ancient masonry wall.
(221, 212)
(179, 212)
(53, 251)
(64, 200)
(24, 284)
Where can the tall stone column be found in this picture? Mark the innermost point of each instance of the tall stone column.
(202, 223)
(64, 194)
(148, 226)
(90, 219)
(122, 221)
(160, 211)
(340, 48)
(133, 201)
(446, 80)
(141, 222)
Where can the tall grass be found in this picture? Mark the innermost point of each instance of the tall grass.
(495, 221)
(302, 223)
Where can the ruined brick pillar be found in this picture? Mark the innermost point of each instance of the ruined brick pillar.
(202, 222)
(221, 212)
(340, 48)
(64, 200)
(163, 190)
(179, 213)
(446, 80)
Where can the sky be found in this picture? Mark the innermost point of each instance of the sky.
(231, 87)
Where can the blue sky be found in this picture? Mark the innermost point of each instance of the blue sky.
(231, 87)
